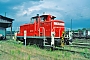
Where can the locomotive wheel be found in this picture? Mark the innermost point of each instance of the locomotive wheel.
(52, 48)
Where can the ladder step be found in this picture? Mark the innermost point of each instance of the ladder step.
(45, 42)
(47, 45)
(45, 39)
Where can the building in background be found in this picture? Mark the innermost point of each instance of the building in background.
(5, 22)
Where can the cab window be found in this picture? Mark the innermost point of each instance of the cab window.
(42, 18)
(33, 20)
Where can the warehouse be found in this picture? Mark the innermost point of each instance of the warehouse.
(5, 22)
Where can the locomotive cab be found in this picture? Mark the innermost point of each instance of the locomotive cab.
(47, 17)
(42, 18)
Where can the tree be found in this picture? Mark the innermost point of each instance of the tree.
(84, 29)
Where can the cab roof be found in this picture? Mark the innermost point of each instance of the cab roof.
(44, 16)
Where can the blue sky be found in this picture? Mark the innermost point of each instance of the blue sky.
(23, 10)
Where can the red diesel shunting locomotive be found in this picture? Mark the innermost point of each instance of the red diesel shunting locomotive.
(42, 30)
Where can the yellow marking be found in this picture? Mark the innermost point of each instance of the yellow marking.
(62, 40)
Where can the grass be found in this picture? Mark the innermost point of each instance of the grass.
(81, 40)
(17, 51)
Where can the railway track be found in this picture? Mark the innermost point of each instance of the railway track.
(83, 44)
(27, 52)
(86, 55)
(79, 46)
(11, 54)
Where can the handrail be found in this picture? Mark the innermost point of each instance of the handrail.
(43, 31)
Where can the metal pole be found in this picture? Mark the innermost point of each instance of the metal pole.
(25, 42)
(71, 31)
(5, 33)
(11, 31)
(5, 28)
(71, 24)
(25, 36)
(5, 14)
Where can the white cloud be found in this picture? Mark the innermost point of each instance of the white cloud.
(45, 4)
(22, 9)
(62, 9)
(66, 10)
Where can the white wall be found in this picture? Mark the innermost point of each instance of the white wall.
(88, 32)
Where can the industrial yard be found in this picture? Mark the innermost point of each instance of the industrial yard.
(44, 30)
(13, 50)
(44, 40)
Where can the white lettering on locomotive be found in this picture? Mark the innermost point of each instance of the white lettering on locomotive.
(58, 23)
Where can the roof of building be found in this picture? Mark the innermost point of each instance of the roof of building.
(5, 22)
(6, 18)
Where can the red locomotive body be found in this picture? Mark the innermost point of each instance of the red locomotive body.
(41, 28)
